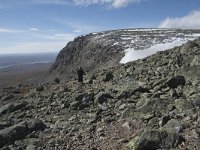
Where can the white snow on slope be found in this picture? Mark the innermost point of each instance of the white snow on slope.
(131, 54)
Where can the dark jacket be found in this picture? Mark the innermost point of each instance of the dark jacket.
(80, 74)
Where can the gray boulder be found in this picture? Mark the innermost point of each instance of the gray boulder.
(82, 101)
(40, 88)
(6, 108)
(173, 126)
(155, 139)
(102, 97)
(154, 105)
(4, 125)
(88, 98)
(7, 97)
(36, 125)
(174, 82)
(195, 61)
(197, 102)
(108, 76)
(20, 131)
(79, 97)
(13, 133)
(11, 107)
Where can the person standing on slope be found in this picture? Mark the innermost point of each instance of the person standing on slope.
(80, 74)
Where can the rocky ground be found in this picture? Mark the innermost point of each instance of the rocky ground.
(151, 103)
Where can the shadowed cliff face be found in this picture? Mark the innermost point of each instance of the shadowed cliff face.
(103, 50)
(88, 53)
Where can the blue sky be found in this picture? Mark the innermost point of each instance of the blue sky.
(28, 26)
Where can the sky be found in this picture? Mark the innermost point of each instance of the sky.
(35, 26)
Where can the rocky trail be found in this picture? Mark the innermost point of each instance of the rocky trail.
(152, 103)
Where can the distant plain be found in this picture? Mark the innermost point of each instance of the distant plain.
(24, 68)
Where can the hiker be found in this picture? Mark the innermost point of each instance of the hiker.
(179, 60)
(80, 74)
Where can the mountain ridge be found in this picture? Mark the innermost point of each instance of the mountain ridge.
(103, 50)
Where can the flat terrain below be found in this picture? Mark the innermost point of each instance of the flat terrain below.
(20, 74)
(24, 68)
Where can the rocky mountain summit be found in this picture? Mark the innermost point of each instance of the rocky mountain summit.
(103, 50)
(148, 104)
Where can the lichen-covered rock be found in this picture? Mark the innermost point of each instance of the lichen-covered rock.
(57, 80)
(102, 97)
(6, 108)
(20, 131)
(173, 126)
(36, 125)
(108, 76)
(40, 88)
(197, 102)
(183, 104)
(10, 107)
(154, 139)
(4, 125)
(195, 61)
(13, 133)
(155, 105)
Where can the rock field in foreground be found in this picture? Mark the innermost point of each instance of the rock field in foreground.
(151, 103)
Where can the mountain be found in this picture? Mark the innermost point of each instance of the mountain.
(150, 103)
(103, 50)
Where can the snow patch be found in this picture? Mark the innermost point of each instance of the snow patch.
(131, 54)
(147, 29)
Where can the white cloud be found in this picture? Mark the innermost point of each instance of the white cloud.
(86, 28)
(33, 29)
(110, 3)
(39, 34)
(78, 26)
(45, 43)
(64, 36)
(107, 3)
(192, 20)
(11, 4)
(6, 30)
(33, 47)
(30, 41)
(57, 2)
(77, 31)
(52, 37)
